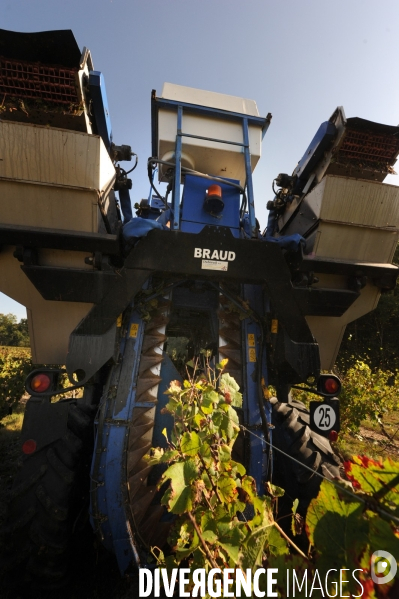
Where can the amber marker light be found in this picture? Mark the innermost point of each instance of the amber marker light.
(213, 203)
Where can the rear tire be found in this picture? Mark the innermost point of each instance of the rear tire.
(48, 501)
(293, 435)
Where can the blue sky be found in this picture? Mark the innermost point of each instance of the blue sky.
(297, 59)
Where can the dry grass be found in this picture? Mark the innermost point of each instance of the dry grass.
(373, 439)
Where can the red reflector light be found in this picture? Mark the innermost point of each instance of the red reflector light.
(40, 383)
(331, 386)
(333, 436)
(29, 446)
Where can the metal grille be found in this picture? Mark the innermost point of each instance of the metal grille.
(369, 148)
(37, 81)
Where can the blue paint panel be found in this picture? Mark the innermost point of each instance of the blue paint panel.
(319, 144)
(193, 203)
(111, 490)
(100, 106)
(126, 205)
(252, 418)
(157, 203)
(115, 476)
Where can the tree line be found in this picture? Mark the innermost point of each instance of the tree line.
(12, 332)
(374, 338)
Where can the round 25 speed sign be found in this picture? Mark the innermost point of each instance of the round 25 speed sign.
(324, 416)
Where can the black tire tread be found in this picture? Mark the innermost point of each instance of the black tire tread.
(44, 504)
(26, 484)
(293, 435)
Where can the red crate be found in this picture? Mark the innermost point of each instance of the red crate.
(369, 147)
(52, 84)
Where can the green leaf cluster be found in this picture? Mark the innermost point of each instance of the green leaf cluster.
(15, 365)
(220, 519)
(366, 395)
(345, 532)
(222, 522)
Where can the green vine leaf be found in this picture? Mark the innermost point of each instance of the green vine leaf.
(227, 489)
(179, 497)
(209, 536)
(229, 424)
(231, 542)
(275, 543)
(336, 528)
(230, 390)
(190, 444)
(207, 402)
(251, 555)
(377, 479)
(274, 491)
(224, 453)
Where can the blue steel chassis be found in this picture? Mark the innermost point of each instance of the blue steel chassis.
(109, 496)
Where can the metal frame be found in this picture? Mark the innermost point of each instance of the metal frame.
(245, 120)
(109, 496)
(60, 239)
(258, 453)
(92, 341)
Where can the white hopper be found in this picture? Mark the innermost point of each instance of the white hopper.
(357, 221)
(50, 178)
(215, 158)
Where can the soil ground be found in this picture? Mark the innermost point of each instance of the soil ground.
(373, 439)
(98, 577)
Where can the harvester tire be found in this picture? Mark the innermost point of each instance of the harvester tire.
(46, 504)
(292, 434)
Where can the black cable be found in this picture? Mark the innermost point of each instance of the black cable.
(243, 206)
(121, 171)
(168, 190)
(135, 164)
(244, 202)
(150, 178)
